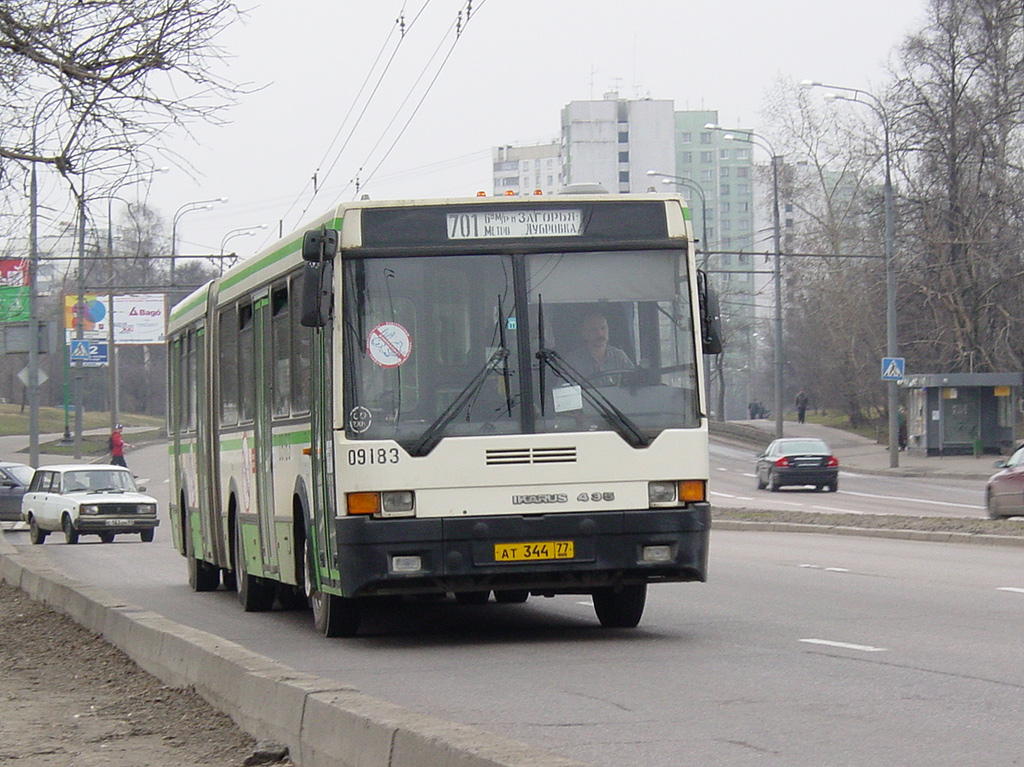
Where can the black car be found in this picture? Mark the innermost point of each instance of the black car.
(797, 461)
(14, 479)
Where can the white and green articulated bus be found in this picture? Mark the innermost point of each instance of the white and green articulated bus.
(451, 397)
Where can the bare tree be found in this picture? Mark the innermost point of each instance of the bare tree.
(961, 88)
(834, 298)
(104, 77)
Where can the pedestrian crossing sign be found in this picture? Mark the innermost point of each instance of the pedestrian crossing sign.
(893, 368)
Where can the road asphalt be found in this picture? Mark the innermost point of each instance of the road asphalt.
(860, 454)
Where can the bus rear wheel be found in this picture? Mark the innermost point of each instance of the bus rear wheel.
(622, 607)
(255, 594)
(333, 616)
(202, 576)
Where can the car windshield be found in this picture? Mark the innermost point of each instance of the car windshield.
(98, 481)
(21, 473)
(803, 446)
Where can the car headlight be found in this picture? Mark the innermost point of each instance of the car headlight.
(89, 508)
(146, 508)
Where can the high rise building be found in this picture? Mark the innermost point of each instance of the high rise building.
(614, 142)
(527, 169)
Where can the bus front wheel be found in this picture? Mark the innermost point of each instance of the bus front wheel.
(620, 608)
(333, 616)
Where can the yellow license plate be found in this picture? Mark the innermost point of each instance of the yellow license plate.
(535, 551)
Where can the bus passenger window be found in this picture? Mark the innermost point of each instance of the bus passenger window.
(228, 367)
(281, 328)
(300, 356)
(246, 364)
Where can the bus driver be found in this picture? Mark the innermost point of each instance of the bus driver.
(596, 355)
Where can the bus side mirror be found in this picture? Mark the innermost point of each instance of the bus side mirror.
(710, 317)
(319, 247)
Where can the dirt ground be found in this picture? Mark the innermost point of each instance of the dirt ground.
(67, 697)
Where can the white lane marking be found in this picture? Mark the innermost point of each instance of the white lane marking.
(913, 500)
(844, 511)
(844, 645)
(827, 569)
(734, 497)
(1014, 589)
(721, 468)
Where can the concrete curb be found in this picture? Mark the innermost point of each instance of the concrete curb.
(323, 723)
(866, 532)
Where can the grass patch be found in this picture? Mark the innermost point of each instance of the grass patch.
(14, 420)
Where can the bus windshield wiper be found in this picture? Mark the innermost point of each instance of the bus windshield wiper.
(432, 435)
(623, 424)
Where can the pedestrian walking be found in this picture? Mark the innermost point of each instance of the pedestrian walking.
(802, 400)
(117, 446)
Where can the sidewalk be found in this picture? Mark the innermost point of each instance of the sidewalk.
(857, 453)
(14, 447)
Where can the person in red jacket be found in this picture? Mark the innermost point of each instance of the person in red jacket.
(117, 446)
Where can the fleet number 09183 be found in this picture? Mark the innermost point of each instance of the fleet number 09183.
(372, 456)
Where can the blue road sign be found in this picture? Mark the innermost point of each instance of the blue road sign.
(893, 368)
(89, 353)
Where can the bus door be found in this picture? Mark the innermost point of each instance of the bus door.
(175, 396)
(213, 547)
(322, 455)
(264, 437)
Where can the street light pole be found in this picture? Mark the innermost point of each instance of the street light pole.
(752, 138)
(875, 104)
(245, 231)
(188, 207)
(689, 183)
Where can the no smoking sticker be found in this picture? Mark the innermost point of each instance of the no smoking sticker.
(389, 344)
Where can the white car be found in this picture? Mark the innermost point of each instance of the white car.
(87, 500)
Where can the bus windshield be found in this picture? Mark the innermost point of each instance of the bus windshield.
(443, 346)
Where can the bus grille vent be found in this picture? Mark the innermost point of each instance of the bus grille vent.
(529, 455)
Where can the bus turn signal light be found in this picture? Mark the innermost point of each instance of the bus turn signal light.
(363, 503)
(692, 490)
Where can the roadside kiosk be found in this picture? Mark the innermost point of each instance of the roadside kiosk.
(962, 413)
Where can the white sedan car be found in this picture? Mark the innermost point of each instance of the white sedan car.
(87, 500)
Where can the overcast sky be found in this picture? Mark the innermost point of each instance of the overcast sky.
(516, 64)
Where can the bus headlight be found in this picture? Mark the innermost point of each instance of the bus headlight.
(661, 493)
(398, 503)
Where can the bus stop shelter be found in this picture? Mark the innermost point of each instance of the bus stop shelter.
(962, 413)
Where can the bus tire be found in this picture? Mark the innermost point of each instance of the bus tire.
(620, 608)
(511, 596)
(333, 616)
(255, 594)
(202, 576)
(472, 597)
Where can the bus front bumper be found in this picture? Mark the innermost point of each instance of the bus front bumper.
(549, 553)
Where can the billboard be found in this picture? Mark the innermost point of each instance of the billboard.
(13, 290)
(140, 318)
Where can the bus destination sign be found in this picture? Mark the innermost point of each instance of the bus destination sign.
(496, 224)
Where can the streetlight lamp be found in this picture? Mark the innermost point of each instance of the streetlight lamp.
(245, 231)
(750, 137)
(875, 104)
(188, 207)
